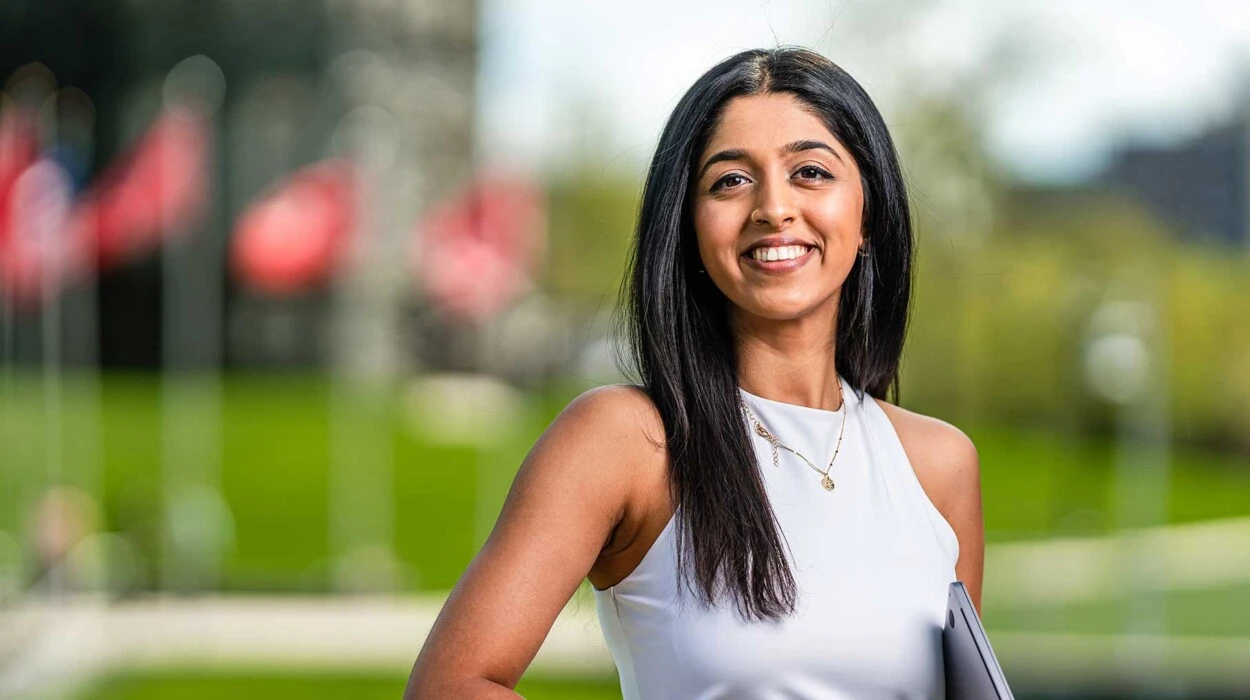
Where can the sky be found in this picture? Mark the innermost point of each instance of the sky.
(1087, 75)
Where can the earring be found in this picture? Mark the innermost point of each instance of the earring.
(864, 251)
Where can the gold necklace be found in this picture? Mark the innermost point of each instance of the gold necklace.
(825, 481)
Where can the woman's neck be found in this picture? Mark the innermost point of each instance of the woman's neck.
(790, 362)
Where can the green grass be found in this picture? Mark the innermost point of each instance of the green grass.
(190, 685)
(275, 439)
(275, 446)
(1216, 612)
(1037, 484)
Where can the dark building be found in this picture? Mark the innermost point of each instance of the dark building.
(1197, 187)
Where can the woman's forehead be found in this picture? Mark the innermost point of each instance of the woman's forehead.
(767, 123)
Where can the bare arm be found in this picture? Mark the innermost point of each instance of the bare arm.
(962, 508)
(567, 498)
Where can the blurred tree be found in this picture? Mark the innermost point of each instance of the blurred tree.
(591, 222)
(593, 198)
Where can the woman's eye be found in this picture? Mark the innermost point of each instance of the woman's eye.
(729, 180)
(811, 172)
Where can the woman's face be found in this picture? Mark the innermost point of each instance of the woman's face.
(777, 209)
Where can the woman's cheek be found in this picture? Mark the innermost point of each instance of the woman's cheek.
(717, 227)
(710, 235)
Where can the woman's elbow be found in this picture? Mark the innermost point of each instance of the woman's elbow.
(423, 686)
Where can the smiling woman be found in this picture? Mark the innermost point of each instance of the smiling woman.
(756, 175)
(756, 520)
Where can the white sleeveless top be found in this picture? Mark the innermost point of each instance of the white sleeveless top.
(873, 560)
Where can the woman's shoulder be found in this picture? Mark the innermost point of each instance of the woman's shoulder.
(623, 410)
(612, 438)
(943, 456)
(939, 435)
(614, 421)
(599, 453)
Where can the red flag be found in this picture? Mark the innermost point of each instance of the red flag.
(476, 253)
(159, 188)
(39, 246)
(295, 236)
(19, 146)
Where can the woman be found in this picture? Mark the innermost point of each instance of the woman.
(755, 520)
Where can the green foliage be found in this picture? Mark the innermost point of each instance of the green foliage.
(998, 329)
(591, 218)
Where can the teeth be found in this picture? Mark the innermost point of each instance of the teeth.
(788, 252)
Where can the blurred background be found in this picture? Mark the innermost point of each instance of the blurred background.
(290, 288)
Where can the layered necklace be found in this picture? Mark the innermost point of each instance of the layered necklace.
(825, 480)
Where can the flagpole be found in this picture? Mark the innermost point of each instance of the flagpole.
(197, 520)
(365, 365)
(51, 251)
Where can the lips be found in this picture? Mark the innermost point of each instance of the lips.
(779, 265)
(777, 241)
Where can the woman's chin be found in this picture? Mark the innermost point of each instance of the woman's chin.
(787, 310)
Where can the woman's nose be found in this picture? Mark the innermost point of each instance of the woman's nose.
(773, 206)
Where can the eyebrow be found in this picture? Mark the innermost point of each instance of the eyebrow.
(792, 147)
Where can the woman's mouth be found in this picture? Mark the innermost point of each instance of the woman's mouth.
(779, 258)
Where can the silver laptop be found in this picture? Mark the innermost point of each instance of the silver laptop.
(972, 671)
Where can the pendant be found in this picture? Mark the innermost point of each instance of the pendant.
(827, 483)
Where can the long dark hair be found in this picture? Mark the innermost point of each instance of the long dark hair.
(680, 344)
